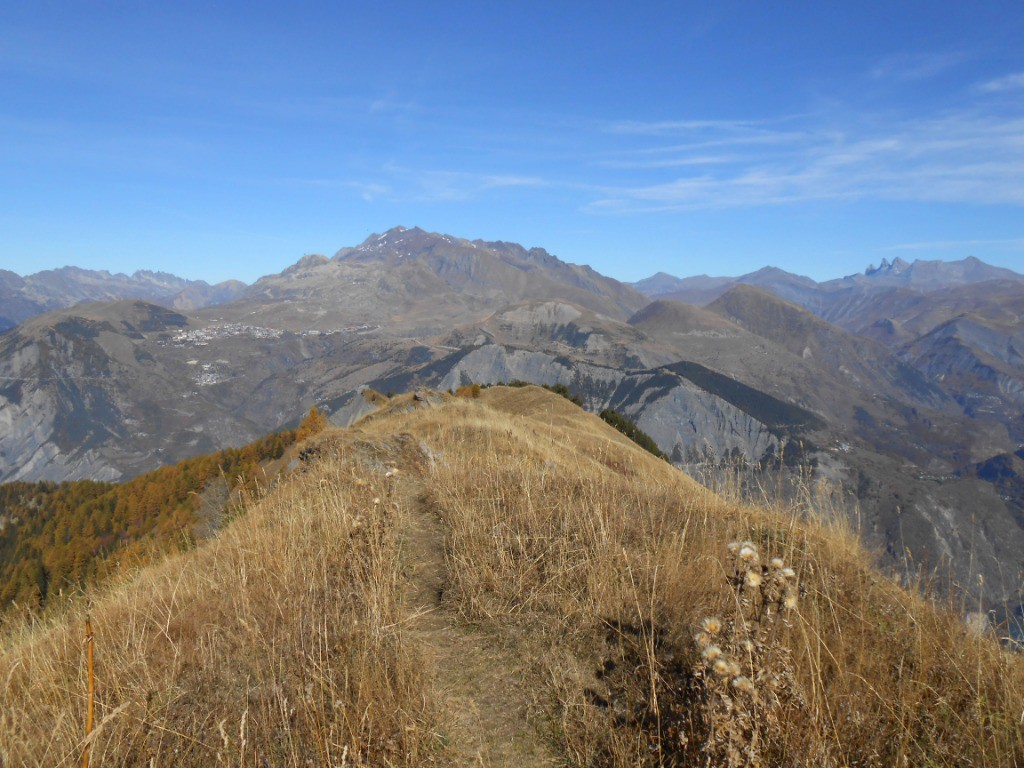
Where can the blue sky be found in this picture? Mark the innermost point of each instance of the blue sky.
(635, 137)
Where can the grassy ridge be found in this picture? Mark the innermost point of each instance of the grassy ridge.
(604, 576)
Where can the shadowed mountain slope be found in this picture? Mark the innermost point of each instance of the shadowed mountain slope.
(804, 334)
(674, 318)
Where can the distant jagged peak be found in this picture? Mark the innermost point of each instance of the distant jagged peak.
(401, 242)
(73, 270)
(162, 278)
(395, 236)
(895, 267)
(932, 274)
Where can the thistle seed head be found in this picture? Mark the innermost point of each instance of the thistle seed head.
(712, 625)
(711, 653)
(748, 553)
(777, 563)
(743, 684)
(752, 579)
(721, 667)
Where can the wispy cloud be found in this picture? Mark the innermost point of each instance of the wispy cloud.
(1008, 83)
(1013, 243)
(368, 190)
(961, 158)
(397, 183)
(495, 182)
(674, 162)
(339, 109)
(912, 67)
(699, 142)
(678, 127)
(437, 186)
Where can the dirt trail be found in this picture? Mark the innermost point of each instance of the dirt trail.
(478, 678)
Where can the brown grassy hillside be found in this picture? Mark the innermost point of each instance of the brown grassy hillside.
(509, 581)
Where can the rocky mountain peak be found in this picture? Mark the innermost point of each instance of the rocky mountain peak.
(399, 243)
(929, 275)
(309, 261)
(895, 267)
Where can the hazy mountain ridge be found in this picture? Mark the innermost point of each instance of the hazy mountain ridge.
(35, 294)
(920, 275)
(929, 275)
(957, 323)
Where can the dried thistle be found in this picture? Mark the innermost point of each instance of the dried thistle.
(746, 672)
(712, 625)
(711, 653)
(743, 683)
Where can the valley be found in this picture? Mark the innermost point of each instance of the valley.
(901, 388)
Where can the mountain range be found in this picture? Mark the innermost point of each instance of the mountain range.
(899, 390)
(25, 297)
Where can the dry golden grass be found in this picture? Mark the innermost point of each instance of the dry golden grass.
(288, 639)
(559, 528)
(276, 643)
